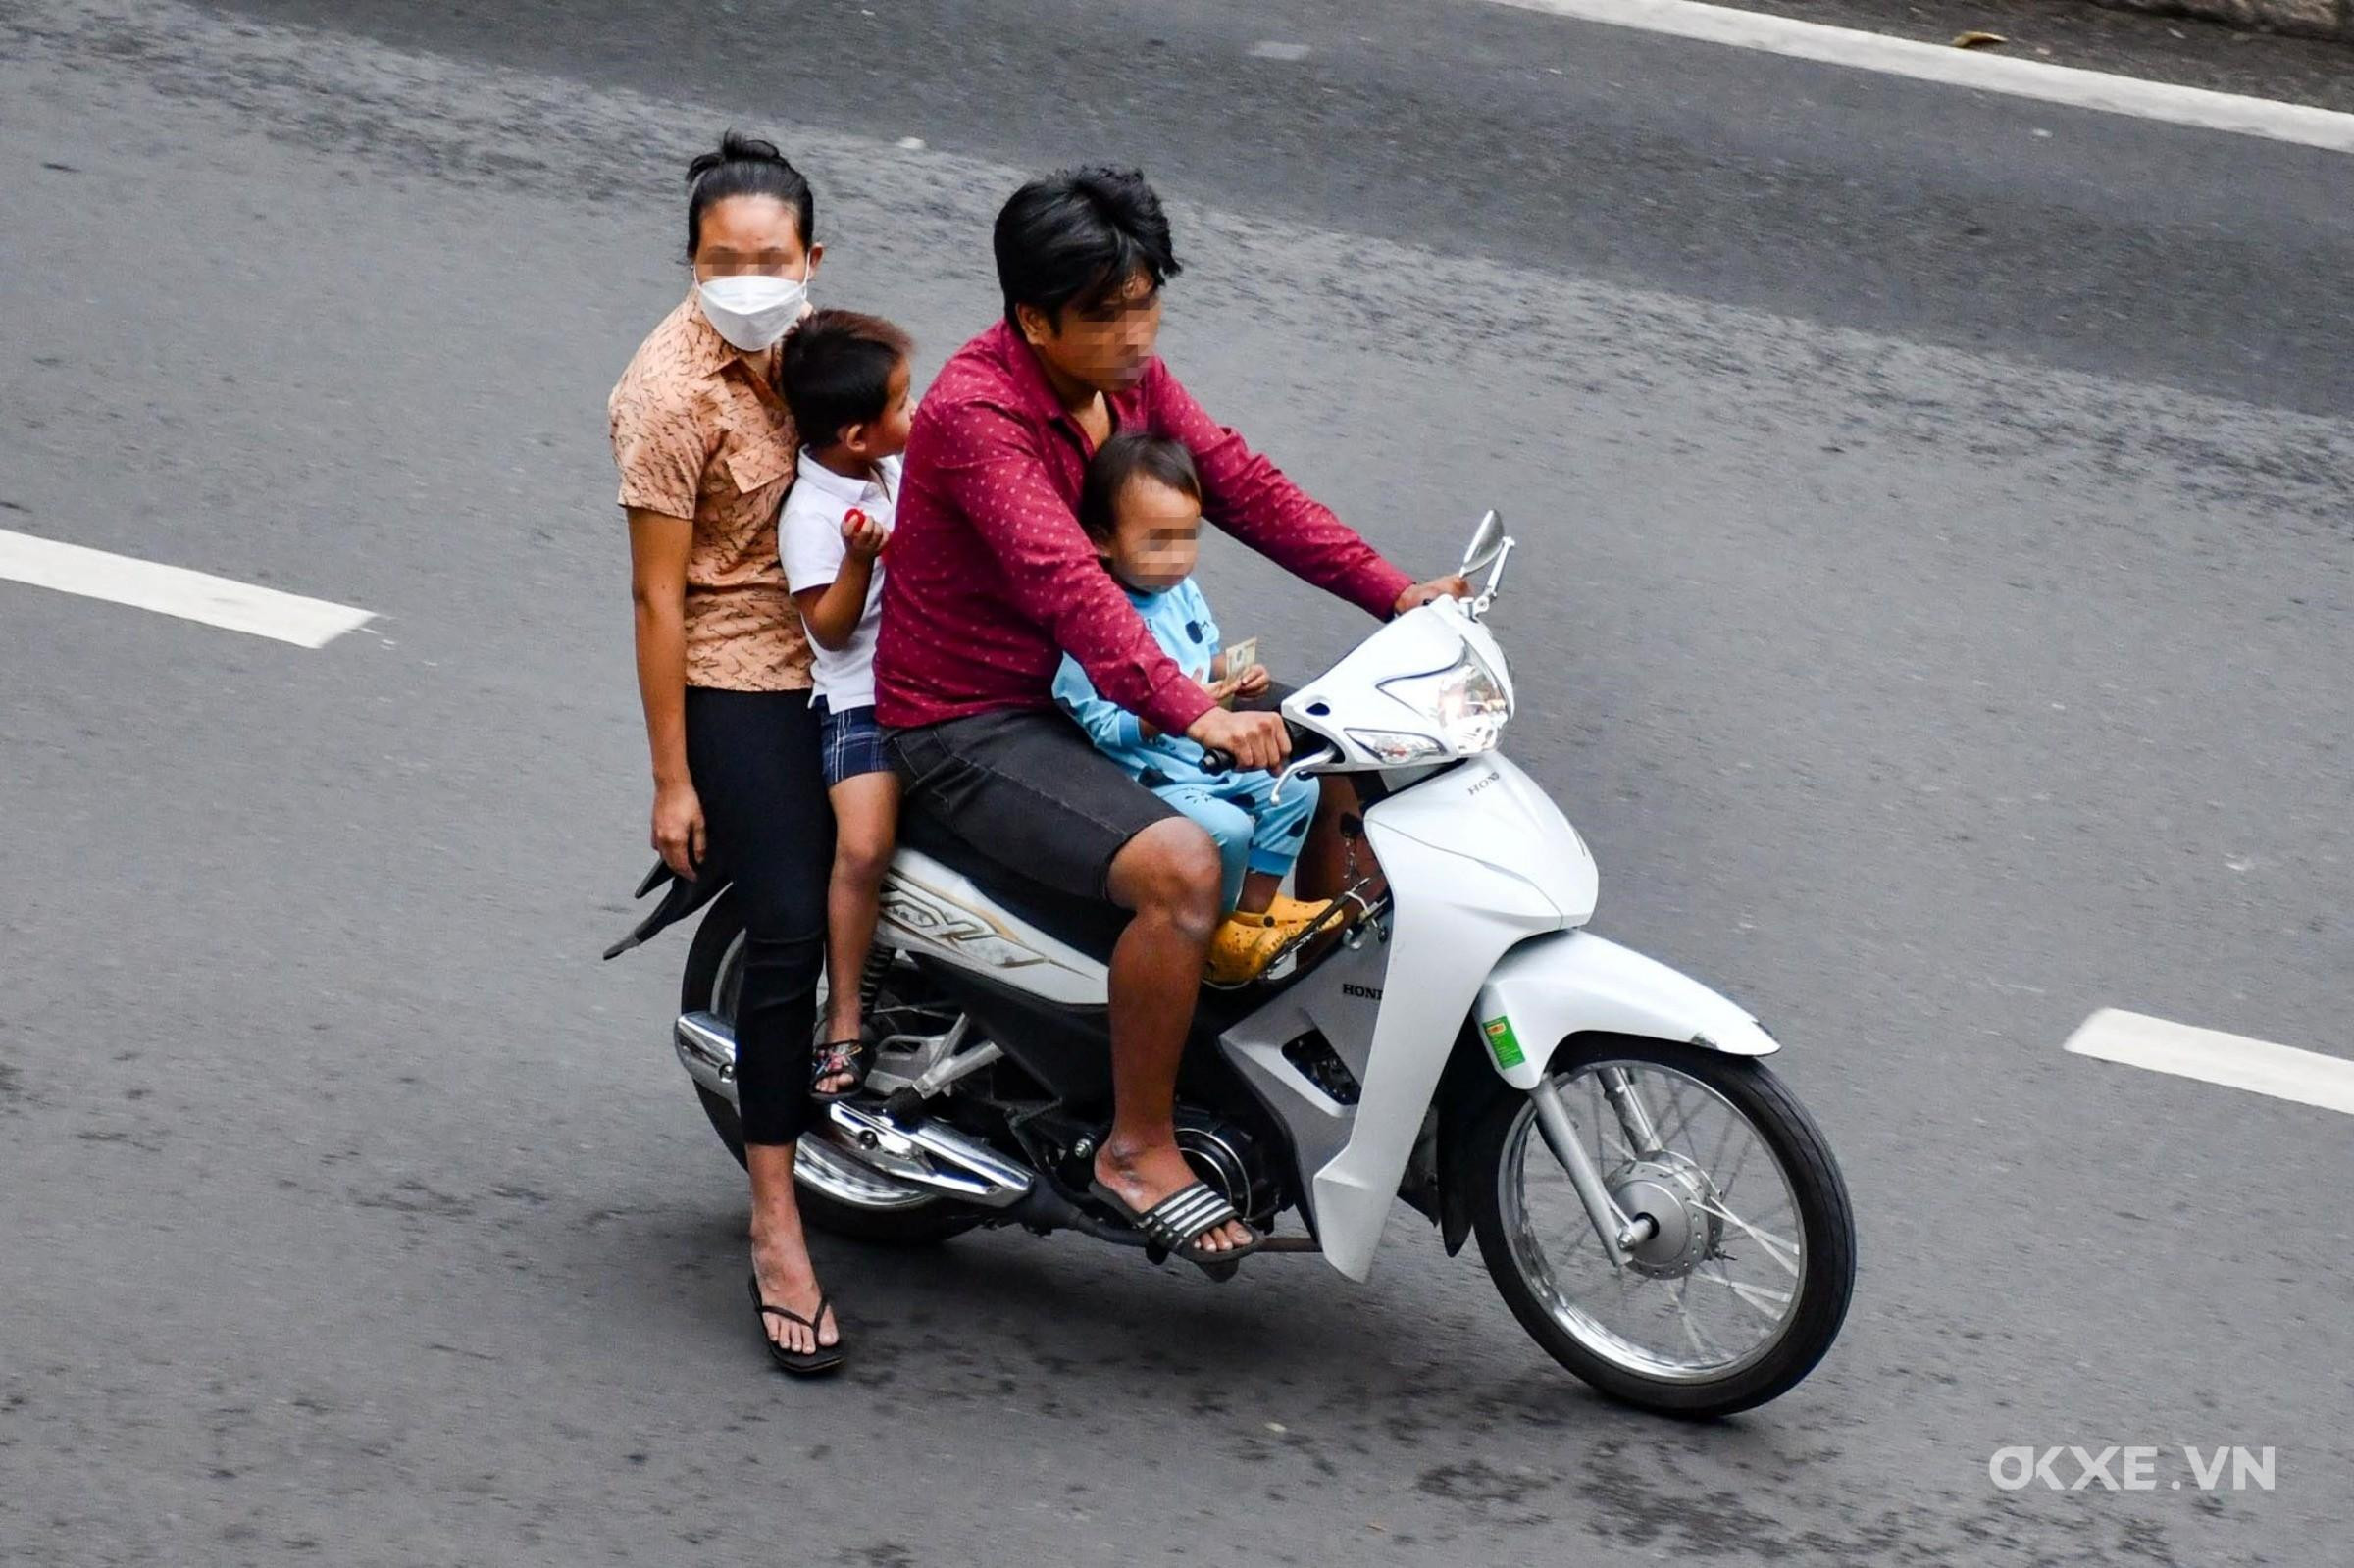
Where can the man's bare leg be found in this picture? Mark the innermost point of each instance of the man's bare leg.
(1168, 876)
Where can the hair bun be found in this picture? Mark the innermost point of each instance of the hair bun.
(736, 148)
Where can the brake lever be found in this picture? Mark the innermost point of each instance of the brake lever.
(1299, 766)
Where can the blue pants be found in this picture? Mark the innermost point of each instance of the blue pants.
(1252, 833)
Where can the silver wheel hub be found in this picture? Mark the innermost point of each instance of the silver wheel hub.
(1675, 1195)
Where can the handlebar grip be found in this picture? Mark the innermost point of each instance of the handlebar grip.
(1215, 760)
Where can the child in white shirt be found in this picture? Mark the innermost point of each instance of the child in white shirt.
(845, 377)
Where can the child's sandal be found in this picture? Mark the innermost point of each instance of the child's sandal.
(1285, 911)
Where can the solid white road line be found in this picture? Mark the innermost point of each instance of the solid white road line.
(2213, 1057)
(1967, 67)
(175, 590)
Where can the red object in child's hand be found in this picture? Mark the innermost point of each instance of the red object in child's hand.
(855, 523)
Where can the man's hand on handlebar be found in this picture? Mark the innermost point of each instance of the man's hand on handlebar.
(1253, 739)
(1455, 585)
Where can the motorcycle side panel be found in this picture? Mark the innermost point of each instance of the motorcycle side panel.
(1444, 845)
(1341, 999)
(930, 909)
(1573, 981)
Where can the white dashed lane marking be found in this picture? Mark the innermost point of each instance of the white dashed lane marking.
(1967, 68)
(175, 590)
(2210, 1056)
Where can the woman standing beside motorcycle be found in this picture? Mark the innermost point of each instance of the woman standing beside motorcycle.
(706, 451)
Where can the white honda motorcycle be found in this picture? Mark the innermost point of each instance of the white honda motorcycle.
(1656, 1209)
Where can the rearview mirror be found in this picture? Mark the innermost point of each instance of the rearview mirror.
(1490, 548)
(1487, 546)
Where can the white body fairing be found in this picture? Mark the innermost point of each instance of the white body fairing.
(1479, 860)
(1575, 982)
(929, 909)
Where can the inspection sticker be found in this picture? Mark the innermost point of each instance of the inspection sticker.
(1503, 1043)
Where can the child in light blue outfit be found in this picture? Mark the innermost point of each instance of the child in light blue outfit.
(1255, 832)
(1142, 506)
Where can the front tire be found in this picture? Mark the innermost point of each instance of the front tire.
(1541, 1250)
(708, 985)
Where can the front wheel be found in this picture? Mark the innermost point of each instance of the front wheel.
(1744, 1279)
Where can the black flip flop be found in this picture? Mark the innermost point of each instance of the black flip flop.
(1175, 1225)
(836, 1057)
(800, 1363)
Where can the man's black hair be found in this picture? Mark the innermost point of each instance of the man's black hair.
(835, 371)
(1078, 237)
(745, 165)
(1122, 460)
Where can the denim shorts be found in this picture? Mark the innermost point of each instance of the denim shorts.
(849, 743)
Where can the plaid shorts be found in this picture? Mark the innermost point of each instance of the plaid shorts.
(850, 742)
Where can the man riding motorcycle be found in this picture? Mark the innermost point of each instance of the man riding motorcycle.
(992, 580)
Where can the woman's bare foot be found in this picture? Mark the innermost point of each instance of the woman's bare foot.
(787, 1280)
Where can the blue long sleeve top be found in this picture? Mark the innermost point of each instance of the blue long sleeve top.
(1180, 620)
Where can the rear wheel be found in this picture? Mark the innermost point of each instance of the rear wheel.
(1745, 1279)
(835, 1194)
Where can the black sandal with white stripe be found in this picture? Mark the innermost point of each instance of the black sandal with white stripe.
(1175, 1225)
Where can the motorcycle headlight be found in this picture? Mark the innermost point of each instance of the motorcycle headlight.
(1464, 703)
(1396, 748)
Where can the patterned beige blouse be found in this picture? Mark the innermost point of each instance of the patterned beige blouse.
(700, 432)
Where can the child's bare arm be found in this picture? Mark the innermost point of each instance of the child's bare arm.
(832, 613)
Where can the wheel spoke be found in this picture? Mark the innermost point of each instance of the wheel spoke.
(1756, 1296)
(1747, 1148)
(1779, 1248)
(1692, 1329)
(1675, 1096)
(1732, 1124)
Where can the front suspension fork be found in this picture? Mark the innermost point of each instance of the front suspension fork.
(1616, 1229)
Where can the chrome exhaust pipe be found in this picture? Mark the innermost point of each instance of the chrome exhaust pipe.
(927, 1155)
(706, 1048)
(926, 1159)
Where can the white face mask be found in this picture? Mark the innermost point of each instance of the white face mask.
(752, 310)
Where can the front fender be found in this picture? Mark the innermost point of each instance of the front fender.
(1574, 982)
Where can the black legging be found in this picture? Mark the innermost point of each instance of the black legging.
(754, 760)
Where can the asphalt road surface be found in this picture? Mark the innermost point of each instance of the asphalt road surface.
(1935, 609)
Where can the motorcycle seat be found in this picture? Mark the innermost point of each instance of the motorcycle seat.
(1090, 925)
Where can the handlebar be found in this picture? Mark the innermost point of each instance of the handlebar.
(1303, 764)
(1216, 759)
